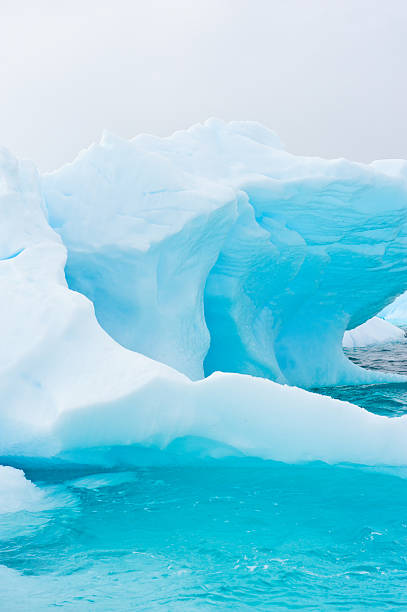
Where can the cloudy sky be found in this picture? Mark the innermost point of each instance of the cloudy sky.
(329, 76)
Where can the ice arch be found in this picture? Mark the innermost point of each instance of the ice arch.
(215, 249)
(68, 390)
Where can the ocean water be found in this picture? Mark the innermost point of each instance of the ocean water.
(216, 536)
(389, 400)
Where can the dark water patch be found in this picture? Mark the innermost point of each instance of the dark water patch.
(388, 400)
(385, 399)
(390, 357)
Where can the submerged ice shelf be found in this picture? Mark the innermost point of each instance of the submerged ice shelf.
(210, 250)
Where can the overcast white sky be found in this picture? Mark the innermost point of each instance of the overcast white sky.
(329, 76)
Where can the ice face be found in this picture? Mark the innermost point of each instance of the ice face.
(397, 311)
(215, 249)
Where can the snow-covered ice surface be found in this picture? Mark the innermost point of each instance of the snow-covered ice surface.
(373, 331)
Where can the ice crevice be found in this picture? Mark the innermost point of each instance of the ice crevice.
(12, 256)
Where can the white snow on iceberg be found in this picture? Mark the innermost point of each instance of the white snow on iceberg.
(374, 331)
(17, 493)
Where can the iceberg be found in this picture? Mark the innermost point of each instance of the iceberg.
(158, 296)
(206, 260)
(17, 493)
(374, 331)
(215, 249)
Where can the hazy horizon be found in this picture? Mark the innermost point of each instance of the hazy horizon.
(328, 78)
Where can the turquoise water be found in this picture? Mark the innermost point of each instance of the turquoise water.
(241, 536)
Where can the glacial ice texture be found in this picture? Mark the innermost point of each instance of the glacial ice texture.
(397, 311)
(215, 249)
(210, 250)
